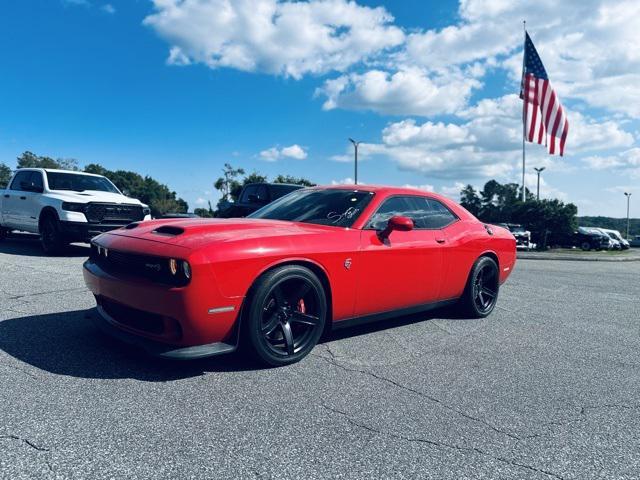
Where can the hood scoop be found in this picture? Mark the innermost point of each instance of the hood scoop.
(168, 231)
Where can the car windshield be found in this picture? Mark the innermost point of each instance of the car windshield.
(79, 183)
(517, 229)
(335, 207)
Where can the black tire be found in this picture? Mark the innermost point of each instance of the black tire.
(50, 236)
(481, 293)
(586, 246)
(285, 315)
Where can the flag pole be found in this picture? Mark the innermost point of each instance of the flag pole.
(524, 120)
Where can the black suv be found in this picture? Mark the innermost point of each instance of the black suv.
(254, 196)
(590, 239)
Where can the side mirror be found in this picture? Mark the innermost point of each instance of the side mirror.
(399, 223)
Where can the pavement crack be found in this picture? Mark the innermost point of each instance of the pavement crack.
(584, 409)
(333, 361)
(437, 443)
(26, 441)
(28, 295)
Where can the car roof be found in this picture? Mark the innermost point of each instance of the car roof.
(55, 170)
(382, 189)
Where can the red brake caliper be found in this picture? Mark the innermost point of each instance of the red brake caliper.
(301, 307)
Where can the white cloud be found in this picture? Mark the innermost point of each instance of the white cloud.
(626, 161)
(294, 151)
(278, 37)
(486, 143)
(410, 91)
(345, 181)
(108, 8)
(201, 201)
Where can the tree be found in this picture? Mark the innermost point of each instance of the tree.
(470, 200)
(158, 196)
(5, 175)
(551, 222)
(202, 212)
(293, 180)
(31, 160)
(228, 183)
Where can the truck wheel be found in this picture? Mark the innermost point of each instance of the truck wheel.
(50, 236)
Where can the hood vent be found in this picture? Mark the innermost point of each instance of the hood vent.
(169, 230)
(132, 225)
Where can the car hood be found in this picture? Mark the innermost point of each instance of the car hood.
(196, 233)
(92, 196)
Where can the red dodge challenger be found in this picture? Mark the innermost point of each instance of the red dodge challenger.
(315, 259)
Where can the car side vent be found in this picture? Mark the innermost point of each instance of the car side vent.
(169, 230)
(132, 225)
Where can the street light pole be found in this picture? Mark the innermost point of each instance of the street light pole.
(355, 146)
(628, 195)
(539, 171)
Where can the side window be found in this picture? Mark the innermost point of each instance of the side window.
(262, 194)
(248, 191)
(439, 216)
(18, 179)
(36, 179)
(391, 207)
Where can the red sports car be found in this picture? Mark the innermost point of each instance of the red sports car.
(316, 259)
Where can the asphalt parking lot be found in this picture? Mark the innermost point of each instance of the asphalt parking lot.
(546, 387)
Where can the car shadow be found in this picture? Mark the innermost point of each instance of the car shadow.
(28, 245)
(69, 343)
(446, 313)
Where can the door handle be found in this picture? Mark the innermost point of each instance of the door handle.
(440, 240)
(23, 198)
(6, 195)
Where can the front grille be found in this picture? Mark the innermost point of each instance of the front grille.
(146, 266)
(113, 213)
(132, 317)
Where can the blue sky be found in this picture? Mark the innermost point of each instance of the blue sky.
(176, 88)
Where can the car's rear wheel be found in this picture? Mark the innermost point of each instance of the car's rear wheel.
(481, 293)
(51, 238)
(285, 315)
(586, 246)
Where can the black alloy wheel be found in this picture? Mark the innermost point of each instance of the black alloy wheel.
(50, 236)
(481, 294)
(286, 316)
(485, 287)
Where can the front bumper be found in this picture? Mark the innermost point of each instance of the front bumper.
(176, 322)
(109, 326)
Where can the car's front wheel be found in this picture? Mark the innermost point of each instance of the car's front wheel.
(481, 293)
(51, 237)
(285, 315)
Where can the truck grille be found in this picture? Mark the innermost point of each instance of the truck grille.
(113, 213)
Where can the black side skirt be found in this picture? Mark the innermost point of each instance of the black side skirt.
(376, 317)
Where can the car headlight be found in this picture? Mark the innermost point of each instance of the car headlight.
(186, 269)
(180, 270)
(73, 207)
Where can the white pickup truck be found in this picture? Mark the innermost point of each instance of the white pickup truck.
(65, 206)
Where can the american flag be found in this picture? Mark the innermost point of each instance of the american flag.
(543, 115)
